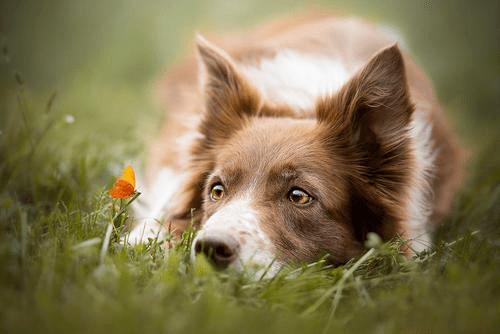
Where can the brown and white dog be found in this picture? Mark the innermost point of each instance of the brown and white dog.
(295, 141)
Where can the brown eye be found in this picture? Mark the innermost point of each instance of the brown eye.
(217, 192)
(299, 196)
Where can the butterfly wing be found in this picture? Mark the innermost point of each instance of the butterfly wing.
(128, 175)
(122, 189)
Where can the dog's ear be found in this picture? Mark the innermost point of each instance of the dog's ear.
(229, 99)
(374, 106)
(369, 120)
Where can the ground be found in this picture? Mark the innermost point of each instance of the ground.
(77, 94)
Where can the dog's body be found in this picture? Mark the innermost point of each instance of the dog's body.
(296, 141)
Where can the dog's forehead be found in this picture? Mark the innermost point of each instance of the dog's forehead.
(267, 141)
(273, 152)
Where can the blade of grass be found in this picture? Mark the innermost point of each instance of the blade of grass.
(341, 283)
(339, 286)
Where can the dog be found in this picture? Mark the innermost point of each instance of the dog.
(293, 142)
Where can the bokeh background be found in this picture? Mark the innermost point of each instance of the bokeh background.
(77, 100)
(103, 58)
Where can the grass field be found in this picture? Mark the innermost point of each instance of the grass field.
(76, 97)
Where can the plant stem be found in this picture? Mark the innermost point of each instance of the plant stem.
(111, 226)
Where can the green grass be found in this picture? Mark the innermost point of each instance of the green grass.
(54, 210)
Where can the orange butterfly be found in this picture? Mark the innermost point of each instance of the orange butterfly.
(125, 185)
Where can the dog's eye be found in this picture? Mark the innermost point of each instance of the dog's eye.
(217, 192)
(299, 196)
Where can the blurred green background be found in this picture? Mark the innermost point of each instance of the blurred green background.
(80, 77)
(103, 58)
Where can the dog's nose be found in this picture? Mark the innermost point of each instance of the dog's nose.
(221, 249)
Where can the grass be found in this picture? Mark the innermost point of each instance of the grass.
(54, 209)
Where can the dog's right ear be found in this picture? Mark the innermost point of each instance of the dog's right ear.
(229, 99)
(229, 103)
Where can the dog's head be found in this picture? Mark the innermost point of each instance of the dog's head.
(271, 186)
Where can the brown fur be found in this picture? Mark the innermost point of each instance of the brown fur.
(352, 153)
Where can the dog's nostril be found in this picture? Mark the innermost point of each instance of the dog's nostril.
(221, 250)
(198, 247)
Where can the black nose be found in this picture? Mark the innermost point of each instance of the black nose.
(220, 249)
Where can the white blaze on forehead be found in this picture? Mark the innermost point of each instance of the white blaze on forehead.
(239, 220)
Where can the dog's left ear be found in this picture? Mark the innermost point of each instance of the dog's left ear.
(374, 106)
(368, 120)
(229, 99)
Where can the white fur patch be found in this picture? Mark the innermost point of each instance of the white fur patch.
(241, 221)
(419, 206)
(297, 79)
(184, 142)
(151, 206)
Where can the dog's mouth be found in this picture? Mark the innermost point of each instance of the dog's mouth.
(224, 252)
